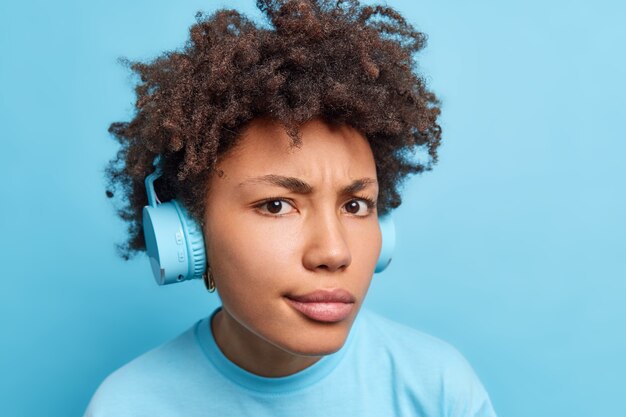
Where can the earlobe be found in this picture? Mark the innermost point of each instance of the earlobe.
(209, 281)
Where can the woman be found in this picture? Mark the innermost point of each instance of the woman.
(283, 145)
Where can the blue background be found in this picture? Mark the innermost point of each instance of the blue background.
(513, 249)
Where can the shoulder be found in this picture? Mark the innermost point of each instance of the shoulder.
(427, 364)
(139, 386)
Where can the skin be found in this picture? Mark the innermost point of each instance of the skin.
(319, 239)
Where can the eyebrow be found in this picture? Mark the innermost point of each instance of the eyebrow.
(298, 186)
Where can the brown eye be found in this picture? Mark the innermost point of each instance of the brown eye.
(275, 206)
(352, 207)
(357, 207)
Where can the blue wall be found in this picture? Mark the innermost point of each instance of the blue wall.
(513, 249)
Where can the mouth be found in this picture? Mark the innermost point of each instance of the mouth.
(324, 305)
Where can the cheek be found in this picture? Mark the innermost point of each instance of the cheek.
(365, 246)
(251, 258)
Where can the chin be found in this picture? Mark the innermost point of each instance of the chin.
(319, 340)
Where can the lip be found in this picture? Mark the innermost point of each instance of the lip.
(337, 295)
(327, 306)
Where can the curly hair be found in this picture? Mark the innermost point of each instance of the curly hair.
(334, 60)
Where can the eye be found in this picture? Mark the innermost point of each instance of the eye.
(359, 207)
(275, 207)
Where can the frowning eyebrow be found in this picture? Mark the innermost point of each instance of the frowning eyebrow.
(298, 186)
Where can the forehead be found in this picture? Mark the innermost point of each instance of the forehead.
(327, 151)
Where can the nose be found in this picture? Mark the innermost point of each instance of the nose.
(327, 247)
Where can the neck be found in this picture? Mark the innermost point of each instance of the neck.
(251, 352)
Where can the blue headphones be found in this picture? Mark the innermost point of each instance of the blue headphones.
(175, 245)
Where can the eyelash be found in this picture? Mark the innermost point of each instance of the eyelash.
(370, 203)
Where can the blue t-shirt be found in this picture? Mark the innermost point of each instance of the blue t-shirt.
(384, 369)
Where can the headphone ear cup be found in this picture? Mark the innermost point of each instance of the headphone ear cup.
(174, 243)
(388, 232)
(195, 243)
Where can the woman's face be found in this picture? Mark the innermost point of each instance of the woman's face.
(284, 221)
